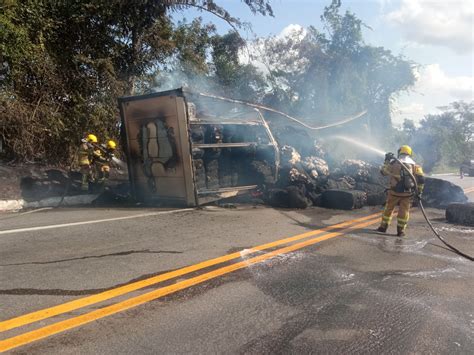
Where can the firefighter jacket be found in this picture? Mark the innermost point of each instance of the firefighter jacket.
(102, 157)
(401, 183)
(85, 154)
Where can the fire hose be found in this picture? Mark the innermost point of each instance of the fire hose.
(420, 204)
(349, 119)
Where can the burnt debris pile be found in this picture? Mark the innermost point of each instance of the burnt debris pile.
(306, 178)
(227, 156)
(440, 193)
(223, 148)
(47, 183)
(188, 149)
(309, 176)
(460, 213)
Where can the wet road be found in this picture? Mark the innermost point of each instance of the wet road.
(151, 281)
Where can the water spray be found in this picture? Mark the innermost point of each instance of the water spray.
(420, 203)
(119, 162)
(360, 144)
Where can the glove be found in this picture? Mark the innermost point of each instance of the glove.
(389, 156)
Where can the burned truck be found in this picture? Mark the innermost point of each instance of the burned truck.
(187, 149)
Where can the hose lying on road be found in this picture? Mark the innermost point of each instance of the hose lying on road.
(457, 251)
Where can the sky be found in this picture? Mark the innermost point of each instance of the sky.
(438, 35)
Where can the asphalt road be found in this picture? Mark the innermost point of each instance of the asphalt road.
(112, 281)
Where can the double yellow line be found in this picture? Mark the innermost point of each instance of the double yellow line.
(73, 322)
(469, 190)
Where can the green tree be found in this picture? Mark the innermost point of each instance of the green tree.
(318, 75)
(66, 62)
(241, 81)
(446, 139)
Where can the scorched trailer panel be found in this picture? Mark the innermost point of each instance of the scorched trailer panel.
(186, 149)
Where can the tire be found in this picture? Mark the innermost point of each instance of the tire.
(460, 213)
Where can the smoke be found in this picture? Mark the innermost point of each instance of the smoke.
(171, 80)
(306, 90)
(338, 144)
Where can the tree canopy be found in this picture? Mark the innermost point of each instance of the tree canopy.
(443, 140)
(333, 73)
(64, 63)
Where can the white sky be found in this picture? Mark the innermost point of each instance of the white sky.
(438, 35)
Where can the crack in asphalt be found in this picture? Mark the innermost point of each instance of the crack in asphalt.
(64, 292)
(121, 253)
(49, 292)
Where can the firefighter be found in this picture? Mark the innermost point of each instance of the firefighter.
(102, 159)
(85, 155)
(401, 189)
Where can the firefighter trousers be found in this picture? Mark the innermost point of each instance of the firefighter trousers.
(404, 204)
(102, 172)
(85, 176)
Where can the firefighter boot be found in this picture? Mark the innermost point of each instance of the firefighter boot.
(400, 232)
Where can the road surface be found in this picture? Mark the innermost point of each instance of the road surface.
(237, 280)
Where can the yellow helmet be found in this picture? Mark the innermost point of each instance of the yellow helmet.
(405, 149)
(111, 145)
(91, 138)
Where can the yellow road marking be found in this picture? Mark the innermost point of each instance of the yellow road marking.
(74, 322)
(469, 190)
(119, 291)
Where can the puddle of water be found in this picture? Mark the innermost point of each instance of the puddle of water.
(344, 276)
(430, 274)
(247, 254)
(393, 243)
(456, 230)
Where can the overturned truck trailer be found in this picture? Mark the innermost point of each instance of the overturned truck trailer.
(185, 148)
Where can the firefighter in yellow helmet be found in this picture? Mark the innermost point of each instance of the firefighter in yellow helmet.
(401, 189)
(85, 154)
(102, 159)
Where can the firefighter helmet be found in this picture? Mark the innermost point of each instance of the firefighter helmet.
(91, 138)
(405, 149)
(111, 145)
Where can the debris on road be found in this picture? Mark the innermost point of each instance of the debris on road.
(460, 213)
(440, 193)
(185, 149)
(343, 199)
